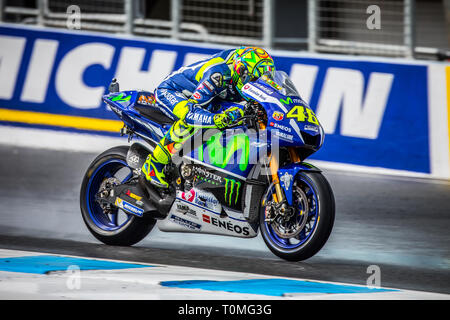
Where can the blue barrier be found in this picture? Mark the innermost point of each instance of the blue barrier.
(374, 113)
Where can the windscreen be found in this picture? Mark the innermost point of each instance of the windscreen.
(286, 84)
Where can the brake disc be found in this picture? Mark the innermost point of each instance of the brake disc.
(291, 227)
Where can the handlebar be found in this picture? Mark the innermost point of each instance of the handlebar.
(237, 122)
(253, 114)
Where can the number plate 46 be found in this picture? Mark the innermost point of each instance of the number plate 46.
(302, 114)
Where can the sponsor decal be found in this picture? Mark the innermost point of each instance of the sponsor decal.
(146, 100)
(281, 127)
(284, 136)
(311, 128)
(220, 156)
(197, 96)
(231, 90)
(188, 196)
(181, 95)
(184, 209)
(170, 97)
(217, 79)
(226, 225)
(208, 200)
(120, 97)
(278, 115)
(133, 158)
(232, 188)
(128, 207)
(286, 179)
(206, 218)
(255, 93)
(202, 118)
(290, 100)
(208, 86)
(264, 88)
(207, 175)
(132, 195)
(185, 223)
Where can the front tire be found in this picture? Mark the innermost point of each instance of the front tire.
(117, 228)
(314, 196)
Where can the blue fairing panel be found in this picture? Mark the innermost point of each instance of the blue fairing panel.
(287, 175)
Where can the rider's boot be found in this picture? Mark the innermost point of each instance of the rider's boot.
(153, 172)
(152, 180)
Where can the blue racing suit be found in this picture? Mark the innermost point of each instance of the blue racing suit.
(191, 96)
(191, 93)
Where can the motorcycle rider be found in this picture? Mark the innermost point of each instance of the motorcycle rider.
(189, 94)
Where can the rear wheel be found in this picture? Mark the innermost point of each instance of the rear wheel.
(301, 233)
(111, 226)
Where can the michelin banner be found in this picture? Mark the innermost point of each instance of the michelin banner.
(375, 113)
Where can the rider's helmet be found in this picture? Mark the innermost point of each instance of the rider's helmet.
(250, 63)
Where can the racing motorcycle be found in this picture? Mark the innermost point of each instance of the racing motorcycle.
(236, 182)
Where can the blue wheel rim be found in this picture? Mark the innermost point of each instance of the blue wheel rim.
(98, 217)
(313, 214)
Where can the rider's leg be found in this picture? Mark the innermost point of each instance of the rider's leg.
(172, 142)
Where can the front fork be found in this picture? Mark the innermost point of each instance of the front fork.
(274, 165)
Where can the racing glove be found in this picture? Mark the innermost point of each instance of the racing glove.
(221, 120)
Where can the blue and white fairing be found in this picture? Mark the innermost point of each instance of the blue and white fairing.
(290, 123)
(278, 102)
(281, 130)
(123, 104)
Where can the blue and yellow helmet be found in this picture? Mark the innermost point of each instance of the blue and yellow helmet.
(250, 63)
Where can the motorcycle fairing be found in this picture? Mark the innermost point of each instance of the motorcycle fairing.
(290, 117)
(287, 176)
(227, 187)
(199, 211)
(124, 104)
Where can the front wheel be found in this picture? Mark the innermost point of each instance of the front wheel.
(301, 232)
(113, 227)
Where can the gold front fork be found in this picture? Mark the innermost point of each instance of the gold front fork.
(274, 165)
(278, 196)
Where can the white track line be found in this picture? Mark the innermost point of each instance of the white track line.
(144, 283)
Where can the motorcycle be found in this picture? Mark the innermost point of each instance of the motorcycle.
(236, 182)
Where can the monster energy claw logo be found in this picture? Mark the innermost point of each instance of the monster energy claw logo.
(230, 186)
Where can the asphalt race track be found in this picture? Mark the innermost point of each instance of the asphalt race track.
(399, 224)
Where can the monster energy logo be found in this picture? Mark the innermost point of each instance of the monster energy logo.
(230, 186)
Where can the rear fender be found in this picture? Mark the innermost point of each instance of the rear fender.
(287, 176)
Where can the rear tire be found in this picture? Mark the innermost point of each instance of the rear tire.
(322, 201)
(134, 229)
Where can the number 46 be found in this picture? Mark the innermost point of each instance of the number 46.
(298, 112)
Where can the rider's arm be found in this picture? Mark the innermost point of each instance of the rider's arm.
(210, 86)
